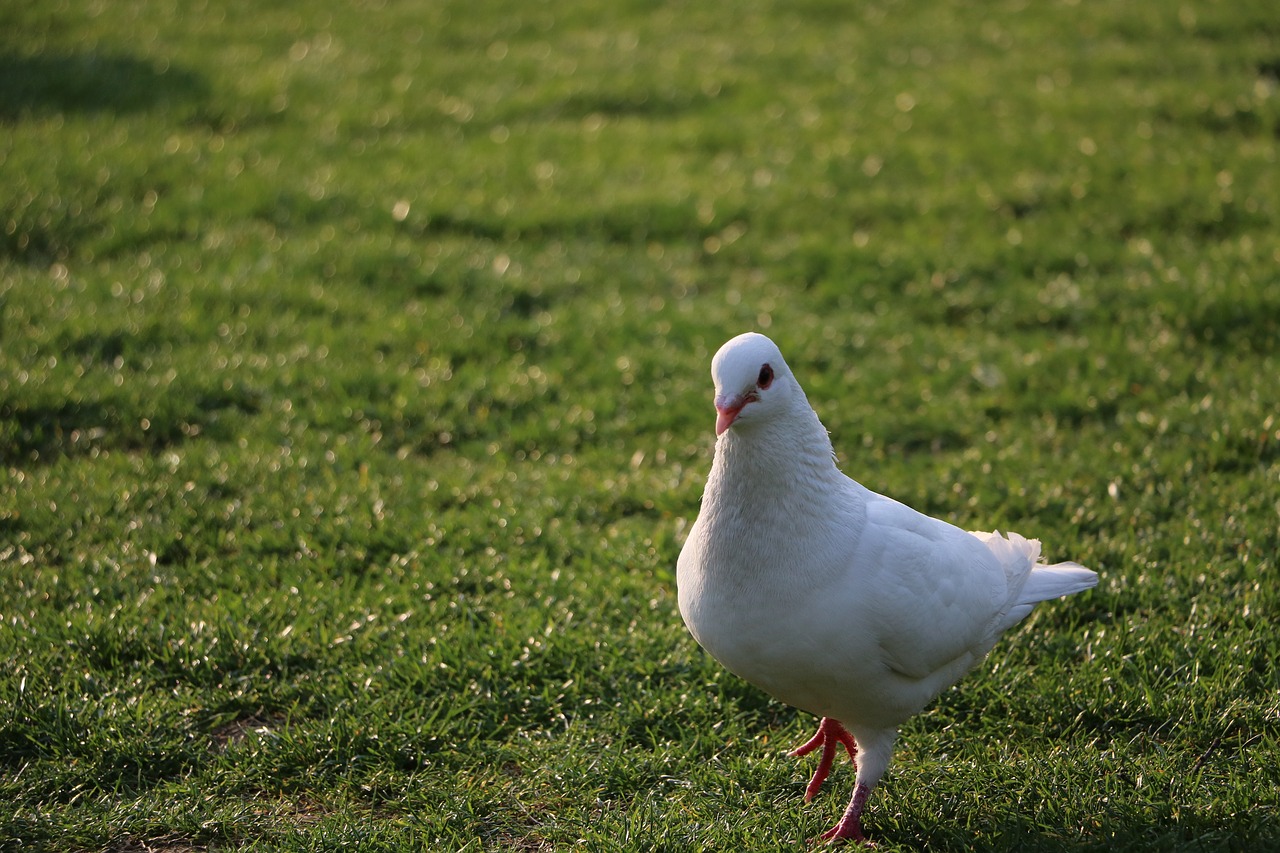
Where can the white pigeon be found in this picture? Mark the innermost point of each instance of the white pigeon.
(828, 596)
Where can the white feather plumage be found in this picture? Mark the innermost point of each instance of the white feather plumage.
(829, 596)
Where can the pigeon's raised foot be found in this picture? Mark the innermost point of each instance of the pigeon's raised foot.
(830, 734)
(850, 826)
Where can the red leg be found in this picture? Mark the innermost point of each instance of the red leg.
(830, 734)
(850, 825)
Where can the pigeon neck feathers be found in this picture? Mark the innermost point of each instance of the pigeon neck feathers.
(787, 450)
(775, 473)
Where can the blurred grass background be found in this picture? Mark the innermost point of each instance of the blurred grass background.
(354, 402)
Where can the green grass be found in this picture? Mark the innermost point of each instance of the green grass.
(354, 403)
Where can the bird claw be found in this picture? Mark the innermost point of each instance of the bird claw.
(850, 826)
(854, 836)
(830, 734)
(832, 840)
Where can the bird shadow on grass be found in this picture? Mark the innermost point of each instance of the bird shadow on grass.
(53, 83)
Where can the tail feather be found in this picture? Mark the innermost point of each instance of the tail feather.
(1045, 582)
(1042, 582)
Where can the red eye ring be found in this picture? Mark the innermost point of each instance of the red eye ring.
(765, 379)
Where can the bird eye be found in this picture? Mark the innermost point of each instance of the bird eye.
(765, 379)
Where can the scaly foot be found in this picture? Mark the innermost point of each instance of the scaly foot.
(830, 734)
(850, 826)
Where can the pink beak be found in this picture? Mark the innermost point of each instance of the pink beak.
(727, 408)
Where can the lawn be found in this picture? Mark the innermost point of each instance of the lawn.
(354, 404)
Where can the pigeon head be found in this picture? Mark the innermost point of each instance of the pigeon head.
(752, 381)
